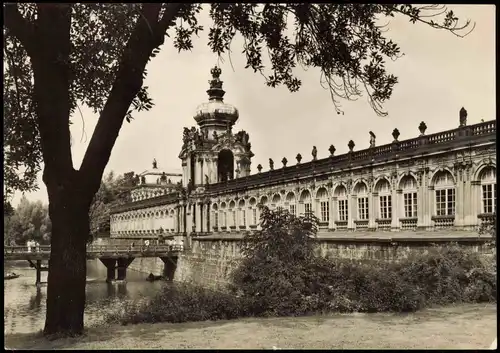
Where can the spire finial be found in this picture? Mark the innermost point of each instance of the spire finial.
(215, 92)
(216, 71)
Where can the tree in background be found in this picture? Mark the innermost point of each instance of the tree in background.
(28, 221)
(59, 56)
(112, 192)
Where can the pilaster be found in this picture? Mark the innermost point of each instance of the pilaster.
(396, 200)
(372, 209)
(459, 201)
(352, 207)
(430, 205)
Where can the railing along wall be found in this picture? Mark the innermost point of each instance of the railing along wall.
(463, 136)
(151, 202)
(99, 249)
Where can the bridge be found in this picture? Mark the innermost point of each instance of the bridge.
(116, 258)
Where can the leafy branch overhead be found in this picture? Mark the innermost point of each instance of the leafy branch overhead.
(344, 41)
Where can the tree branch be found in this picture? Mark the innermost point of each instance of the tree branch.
(129, 79)
(169, 16)
(51, 91)
(20, 27)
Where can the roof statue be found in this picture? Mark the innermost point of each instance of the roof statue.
(155, 164)
(463, 117)
(372, 139)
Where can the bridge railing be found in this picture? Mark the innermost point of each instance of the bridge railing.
(99, 249)
(26, 249)
(135, 248)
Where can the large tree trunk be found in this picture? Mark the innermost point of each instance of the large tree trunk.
(67, 264)
(48, 44)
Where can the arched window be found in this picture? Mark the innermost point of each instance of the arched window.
(232, 210)
(342, 203)
(385, 202)
(324, 205)
(276, 201)
(215, 216)
(488, 190)
(305, 199)
(409, 186)
(290, 199)
(225, 165)
(444, 188)
(253, 209)
(361, 191)
(243, 218)
(263, 200)
(223, 215)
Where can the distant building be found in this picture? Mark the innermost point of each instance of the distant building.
(445, 180)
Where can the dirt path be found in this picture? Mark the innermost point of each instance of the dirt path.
(460, 327)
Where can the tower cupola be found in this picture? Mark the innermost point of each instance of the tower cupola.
(215, 115)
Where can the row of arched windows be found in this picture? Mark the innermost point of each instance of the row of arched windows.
(151, 221)
(227, 214)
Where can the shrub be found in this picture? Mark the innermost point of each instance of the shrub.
(275, 261)
(182, 303)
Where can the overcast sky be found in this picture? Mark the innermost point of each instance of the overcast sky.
(438, 75)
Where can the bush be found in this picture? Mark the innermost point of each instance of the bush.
(182, 303)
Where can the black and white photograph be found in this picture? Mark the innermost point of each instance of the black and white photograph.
(249, 176)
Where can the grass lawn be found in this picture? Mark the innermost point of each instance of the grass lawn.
(459, 327)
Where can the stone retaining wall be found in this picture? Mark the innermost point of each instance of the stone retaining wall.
(210, 259)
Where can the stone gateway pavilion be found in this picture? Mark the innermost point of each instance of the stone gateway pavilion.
(372, 203)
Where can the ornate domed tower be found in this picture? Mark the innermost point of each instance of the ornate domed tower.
(212, 153)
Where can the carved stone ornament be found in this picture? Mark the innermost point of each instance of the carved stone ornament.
(395, 134)
(284, 161)
(259, 168)
(298, 158)
(351, 145)
(422, 127)
(331, 150)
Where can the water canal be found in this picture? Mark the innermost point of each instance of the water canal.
(24, 303)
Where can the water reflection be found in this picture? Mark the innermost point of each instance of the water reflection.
(24, 308)
(36, 300)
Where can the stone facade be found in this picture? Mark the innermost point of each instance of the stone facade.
(431, 185)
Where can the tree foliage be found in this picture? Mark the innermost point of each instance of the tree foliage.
(276, 259)
(29, 221)
(113, 192)
(345, 41)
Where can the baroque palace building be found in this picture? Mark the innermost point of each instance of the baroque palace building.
(445, 180)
